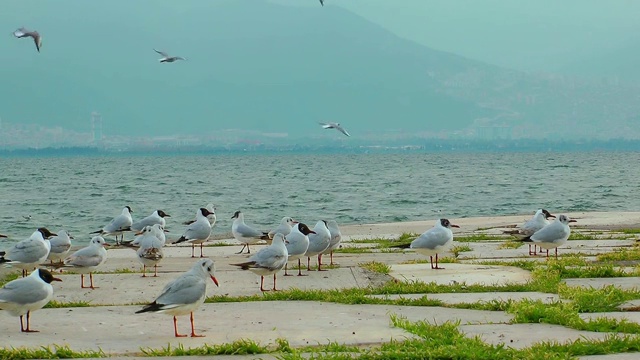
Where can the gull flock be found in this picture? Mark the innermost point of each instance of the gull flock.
(288, 242)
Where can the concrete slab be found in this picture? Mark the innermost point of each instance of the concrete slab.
(627, 283)
(631, 305)
(461, 273)
(466, 298)
(625, 356)
(630, 316)
(117, 330)
(519, 336)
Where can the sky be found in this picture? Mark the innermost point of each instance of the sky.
(248, 69)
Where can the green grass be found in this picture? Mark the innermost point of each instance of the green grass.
(480, 238)
(630, 231)
(510, 244)
(47, 352)
(239, 347)
(54, 304)
(457, 249)
(376, 266)
(623, 254)
(582, 236)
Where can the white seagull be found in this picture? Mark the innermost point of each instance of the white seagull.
(22, 33)
(157, 217)
(297, 245)
(537, 222)
(24, 295)
(197, 232)
(184, 294)
(553, 235)
(336, 238)
(268, 260)
(284, 227)
(166, 58)
(433, 241)
(87, 260)
(29, 253)
(334, 125)
(211, 217)
(319, 241)
(245, 234)
(118, 225)
(60, 246)
(150, 251)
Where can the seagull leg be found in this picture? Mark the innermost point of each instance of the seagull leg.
(28, 329)
(144, 270)
(193, 330)
(547, 253)
(248, 249)
(175, 328)
(299, 269)
(556, 253)
(285, 270)
(308, 263)
(241, 250)
(530, 252)
(331, 263)
(437, 267)
(155, 270)
(431, 259)
(320, 263)
(21, 324)
(262, 284)
(274, 283)
(193, 249)
(201, 250)
(91, 281)
(82, 281)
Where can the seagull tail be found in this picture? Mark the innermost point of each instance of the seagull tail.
(182, 239)
(511, 232)
(188, 222)
(525, 239)
(151, 307)
(245, 266)
(265, 236)
(96, 232)
(402, 246)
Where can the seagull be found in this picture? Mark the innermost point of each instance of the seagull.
(60, 246)
(24, 295)
(297, 244)
(22, 32)
(156, 230)
(197, 232)
(118, 225)
(333, 125)
(211, 217)
(87, 259)
(336, 238)
(29, 253)
(284, 228)
(167, 58)
(3, 236)
(433, 241)
(150, 251)
(553, 235)
(244, 234)
(268, 260)
(157, 217)
(322, 2)
(318, 242)
(537, 222)
(184, 294)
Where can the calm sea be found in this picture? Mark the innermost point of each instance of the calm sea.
(82, 194)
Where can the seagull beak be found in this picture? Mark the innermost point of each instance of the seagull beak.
(572, 220)
(215, 281)
(71, 237)
(312, 232)
(167, 215)
(106, 244)
(455, 226)
(138, 233)
(56, 279)
(3, 236)
(165, 230)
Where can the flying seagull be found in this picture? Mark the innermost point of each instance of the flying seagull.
(322, 2)
(167, 58)
(22, 32)
(333, 125)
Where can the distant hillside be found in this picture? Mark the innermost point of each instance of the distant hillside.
(621, 64)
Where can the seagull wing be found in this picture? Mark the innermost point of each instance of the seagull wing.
(339, 128)
(161, 53)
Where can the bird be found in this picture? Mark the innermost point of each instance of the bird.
(211, 217)
(322, 2)
(333, 125)
(245, 234)
(3, 236)
(433, 241)
(150, 251)
(29, 253)
(184, 294)
(157, 217)
(297, 244)
(22, 296)
(60, 246)
(537, 222)
(336, 238)
(553, 235)
(284, 228)
(197, 232)
(166, 58)
(22, 32)
(268, 260)
(319, 241)
(118, 225)
(87, 260)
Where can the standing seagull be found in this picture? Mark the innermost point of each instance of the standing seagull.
(60, 246)
(197, 232)
(150, 251)
(118, 225)
(167, 58)
(553, 235)
(211, 217)
(336, 238)
(157, 217)
(284, 228)
(22, 296)
(537, 222)
(319, 241)
(245, 234)
(268, 260)
(87, 259)
(29, 253)
(184, 294)
(333, 125)
(22, 32)
(433, 241)
(297, 245)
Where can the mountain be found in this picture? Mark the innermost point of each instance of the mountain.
(619, 65)
(250, 64)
